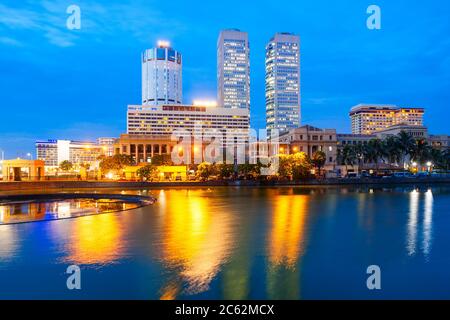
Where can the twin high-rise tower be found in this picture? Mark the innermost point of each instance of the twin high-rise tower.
(233, 69)
(162, 76)
(283, 82)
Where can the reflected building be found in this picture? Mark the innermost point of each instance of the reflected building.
(20, 212)
(197, 241)
(95, 240)
(286, 244)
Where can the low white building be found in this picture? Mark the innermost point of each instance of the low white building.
(53, 152)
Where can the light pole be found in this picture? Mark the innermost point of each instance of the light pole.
(29, 155)
(429, 165)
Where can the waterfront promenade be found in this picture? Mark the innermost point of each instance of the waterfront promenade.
(62, 185)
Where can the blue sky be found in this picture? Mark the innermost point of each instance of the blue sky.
(63, 84)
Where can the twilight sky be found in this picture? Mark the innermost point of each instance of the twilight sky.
(76, 84)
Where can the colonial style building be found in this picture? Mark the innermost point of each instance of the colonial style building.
(309, 139)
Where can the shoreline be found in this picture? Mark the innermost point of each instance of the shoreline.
(62, 185)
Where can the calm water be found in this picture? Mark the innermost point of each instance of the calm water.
(240, 243)
(28, 211)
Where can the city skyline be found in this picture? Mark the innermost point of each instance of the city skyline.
(88, 101)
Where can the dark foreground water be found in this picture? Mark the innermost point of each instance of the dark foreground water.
(240, 243)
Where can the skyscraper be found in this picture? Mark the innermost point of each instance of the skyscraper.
(161, 76)
(283, 82)
(233, 69)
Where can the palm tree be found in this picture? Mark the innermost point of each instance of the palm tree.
(360, 153)
(421, 151)
(392, 150)
(318, 159)
(374, 151)
(438, 157)
(347, 156)
(406, 144)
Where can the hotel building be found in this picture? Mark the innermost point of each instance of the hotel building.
(53, 152)
(162, 76)
(369, 118)
(283, 82)
(233, 69)
(154, 126)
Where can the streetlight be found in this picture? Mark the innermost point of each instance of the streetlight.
(429, 164)
(29, 155)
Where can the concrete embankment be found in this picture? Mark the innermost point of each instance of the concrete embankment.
(66, 185)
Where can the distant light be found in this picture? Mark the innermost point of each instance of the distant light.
(163, 44)
(429, 164)
(414, 164)
(205, 103)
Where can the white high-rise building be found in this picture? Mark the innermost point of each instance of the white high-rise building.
(162, 76)
(283, 82)
(233, 69)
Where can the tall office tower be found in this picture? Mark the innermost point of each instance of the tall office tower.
(161, 76)
(283, 82)
(233, 69)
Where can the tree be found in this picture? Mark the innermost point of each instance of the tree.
(347, 156)
(374, 152)
(406, 144)
(301, 166)
(206, 170)
(318, 159)
(162, 160)
(294, 166)
(249, 170)
(148, 172)
(115, 163)
(392, 150)
(225, 170)
(421, 152)
(438, 158)
(66, 166)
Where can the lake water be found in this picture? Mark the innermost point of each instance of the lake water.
(240, 243)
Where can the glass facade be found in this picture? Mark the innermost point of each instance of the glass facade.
(161, 76)
(283, 82)
(233, 69)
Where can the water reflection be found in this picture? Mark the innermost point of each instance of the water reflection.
(95, 240)
(287, 241)
(28, 211)
(197, 240)
(8, 243)
(414, 222)
(427, 222)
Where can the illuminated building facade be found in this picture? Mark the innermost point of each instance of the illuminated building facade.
(162, 76)
(53, 152)
(370, 118)
(163, 120)
(233, 69)
(107, 144)
(206, 123)
(283, 82)
(310, 139)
